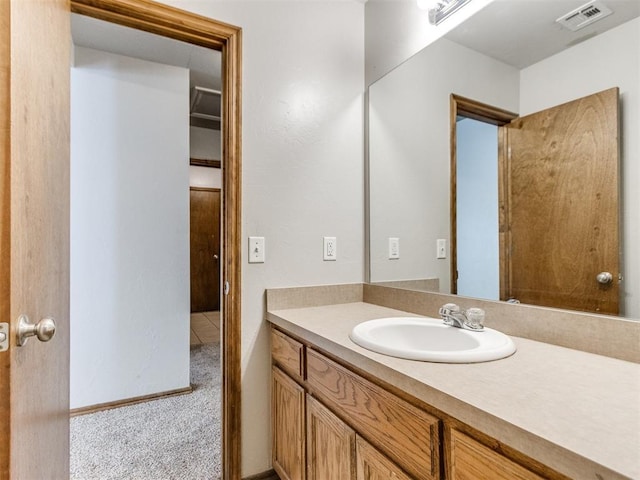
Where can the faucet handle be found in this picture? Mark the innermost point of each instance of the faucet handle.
(475, 318)
(449, 308)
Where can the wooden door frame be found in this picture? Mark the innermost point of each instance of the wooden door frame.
(199, 30)
(465, 107)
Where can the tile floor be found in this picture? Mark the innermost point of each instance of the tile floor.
(205, 328)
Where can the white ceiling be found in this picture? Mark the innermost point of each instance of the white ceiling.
(203, 63)
(523, 32)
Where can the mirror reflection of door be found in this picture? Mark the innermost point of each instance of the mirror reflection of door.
(559, 173)
(205, 249)
(564, 176)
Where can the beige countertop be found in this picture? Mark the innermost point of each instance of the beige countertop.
(577, 412)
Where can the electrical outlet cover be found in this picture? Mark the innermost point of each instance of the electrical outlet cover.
(330, 249)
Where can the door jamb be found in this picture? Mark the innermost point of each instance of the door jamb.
(199, 30)
(465, 107)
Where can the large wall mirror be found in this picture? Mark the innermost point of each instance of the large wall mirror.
(445, 188)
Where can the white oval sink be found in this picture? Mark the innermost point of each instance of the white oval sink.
(429, 339)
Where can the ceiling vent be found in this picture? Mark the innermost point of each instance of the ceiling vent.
(585, 15)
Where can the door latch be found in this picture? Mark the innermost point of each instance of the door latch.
(4, 337)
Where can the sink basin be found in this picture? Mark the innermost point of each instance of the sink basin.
(429, 339)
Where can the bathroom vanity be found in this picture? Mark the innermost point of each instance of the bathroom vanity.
(340, 411)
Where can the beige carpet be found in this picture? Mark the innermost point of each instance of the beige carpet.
(171, 438)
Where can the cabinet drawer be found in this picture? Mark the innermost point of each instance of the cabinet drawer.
(471, 460)
(287, 353)
(404, 433)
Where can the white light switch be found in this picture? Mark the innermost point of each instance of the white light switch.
(256, 249)
(394, 248)
(441, 246)
(330, 250)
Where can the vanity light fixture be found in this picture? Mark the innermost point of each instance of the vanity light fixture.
(440, 9)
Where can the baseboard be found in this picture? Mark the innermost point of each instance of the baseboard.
(268, 475)
(128, 401)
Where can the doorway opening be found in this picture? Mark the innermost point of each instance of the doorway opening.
(478, 192)
(204, 32)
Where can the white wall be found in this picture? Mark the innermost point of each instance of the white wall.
(302, 139)
(205, 143)
(129, 228)
(611, 59)
(205, 177)
(409, 125)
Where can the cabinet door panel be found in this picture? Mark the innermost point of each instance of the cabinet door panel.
(404, 433)
(288, 427)
(373, 465)
(330, 444)
(471, 460)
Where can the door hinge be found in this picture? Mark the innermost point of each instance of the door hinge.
(226, 288)
(4, 337)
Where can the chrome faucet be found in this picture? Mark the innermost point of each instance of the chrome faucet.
(472, 319)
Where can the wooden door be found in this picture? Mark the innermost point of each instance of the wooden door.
(330, 444)
(373, 465)
(34, 238)
(287, 415)
(205, 249)
(563, 205)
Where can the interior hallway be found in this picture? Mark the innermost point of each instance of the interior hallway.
(205, 328)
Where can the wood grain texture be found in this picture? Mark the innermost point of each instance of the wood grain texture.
(288, 354)
(373, 465)
(406, 434)
(288, 427)
(563, 205)
(330, 444)
(188, 27)
(204, 251)
(5, 229)
(39, 237)
(471, 460)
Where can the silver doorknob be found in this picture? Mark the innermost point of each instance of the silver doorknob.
(604, 278)
(215, 257)
(45, 329)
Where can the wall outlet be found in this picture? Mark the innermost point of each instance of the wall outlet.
(441, 248)
(256, 249)
(394, 248)
(330, 251)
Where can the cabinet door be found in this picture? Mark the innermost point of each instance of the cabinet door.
(287, 415)
(373, 465)
(330, 444)
(471, 460)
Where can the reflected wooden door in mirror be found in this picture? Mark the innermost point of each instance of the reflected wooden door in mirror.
(563, 208)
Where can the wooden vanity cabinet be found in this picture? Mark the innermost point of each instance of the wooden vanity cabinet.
(471, 460)
(288, 426)
(372, 465)
(330, 444)
(330, 423)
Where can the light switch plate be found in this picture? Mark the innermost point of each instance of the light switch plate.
(441, 248)
(256, 249)
(394, 248)
(330, 249)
